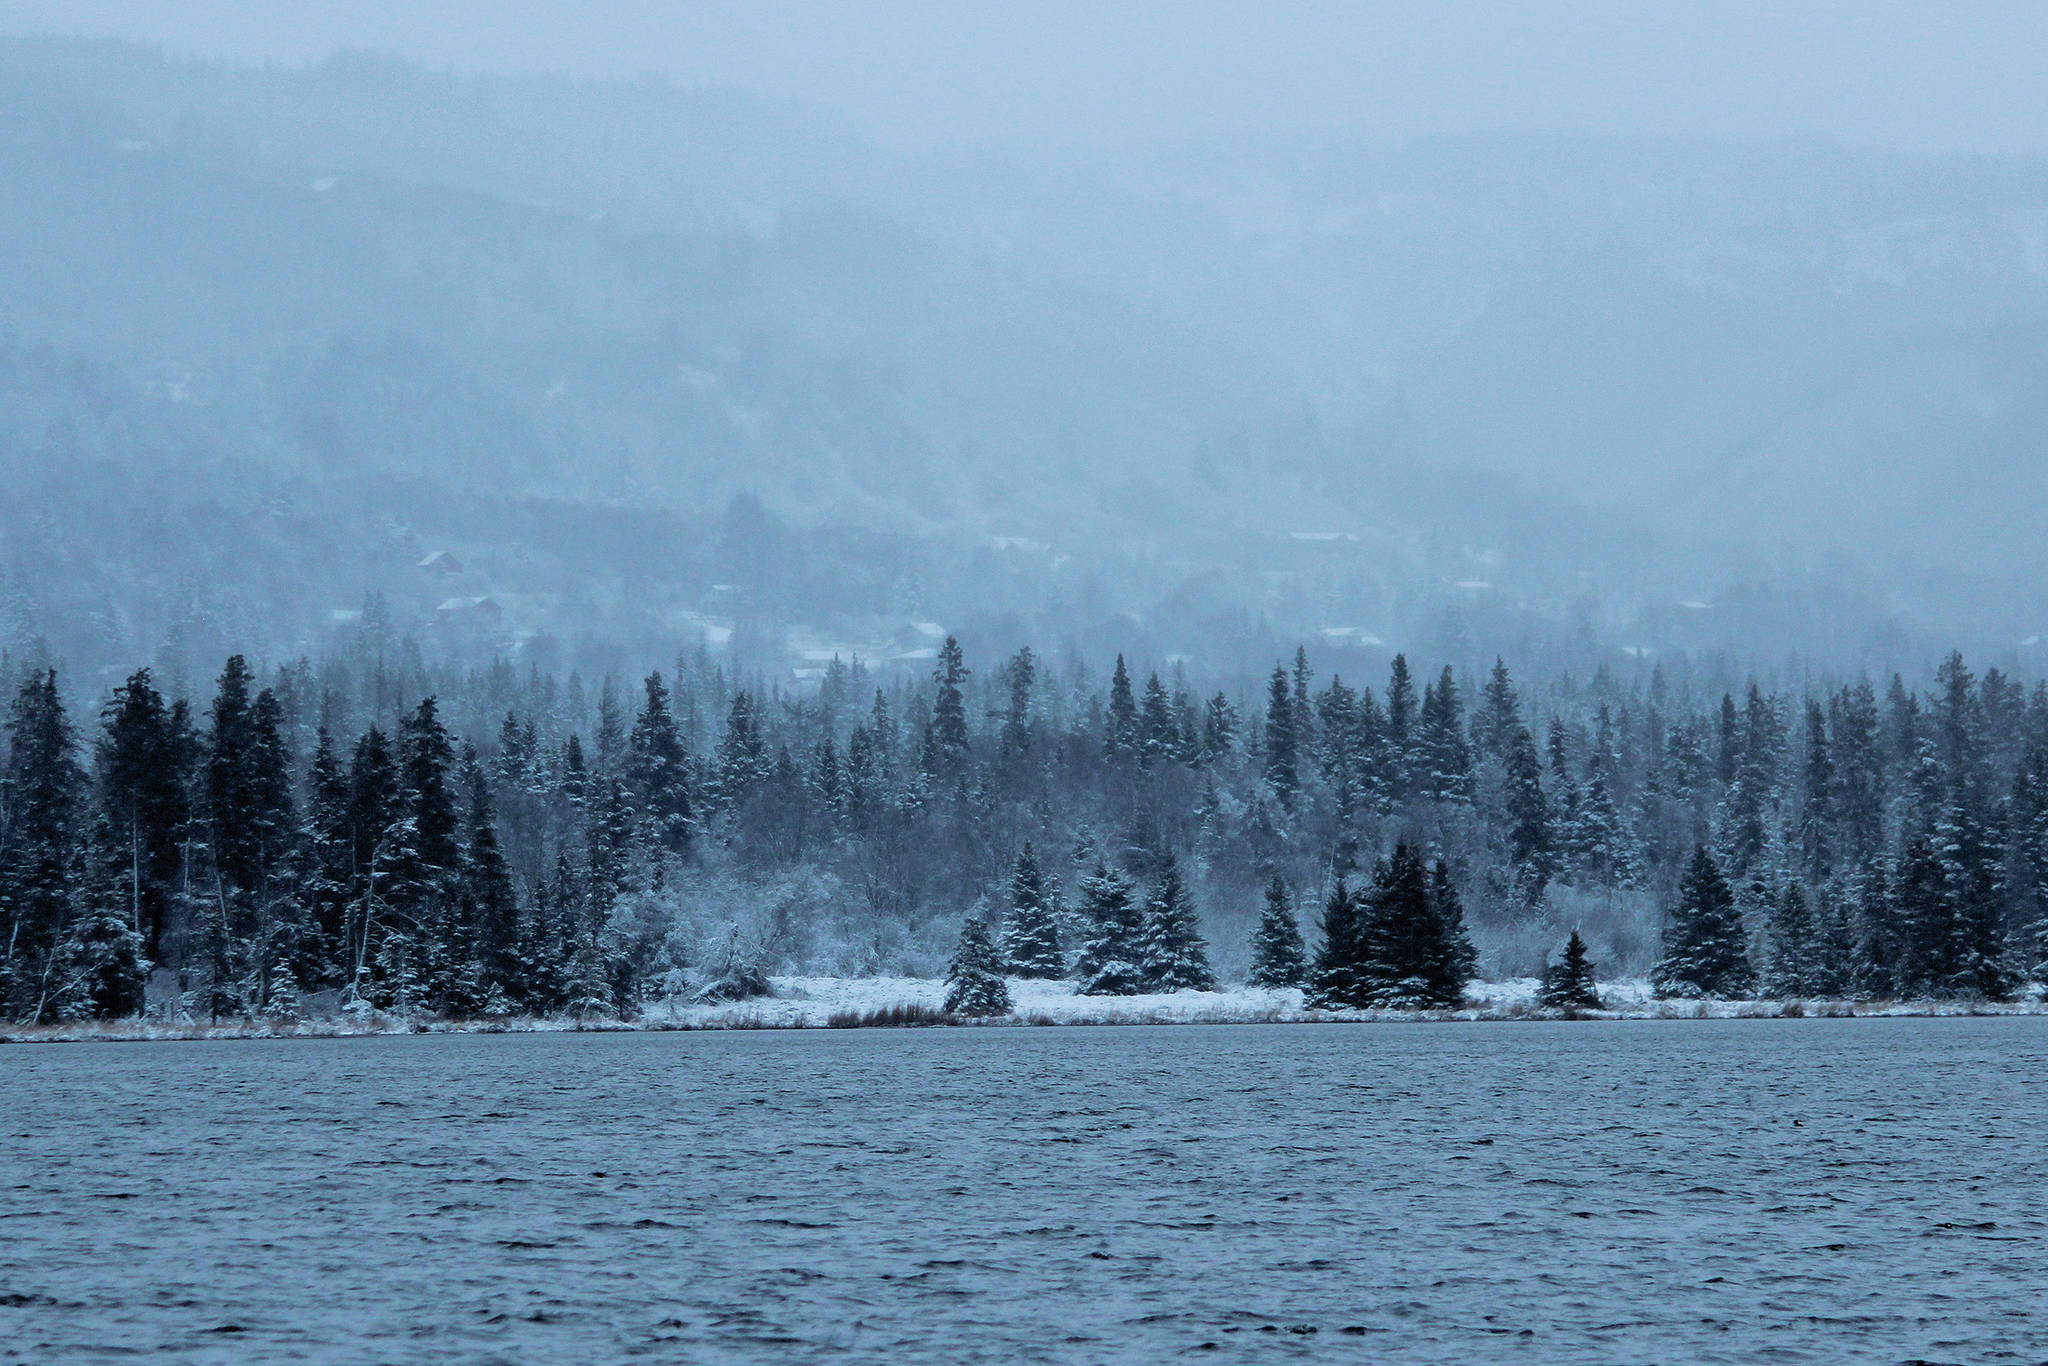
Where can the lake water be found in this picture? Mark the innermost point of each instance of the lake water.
(1739, 1191)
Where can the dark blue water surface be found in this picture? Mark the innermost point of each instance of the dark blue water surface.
(1738, 1191)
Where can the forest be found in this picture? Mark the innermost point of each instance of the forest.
(369, 834)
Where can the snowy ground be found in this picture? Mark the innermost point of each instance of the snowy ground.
(821, 1002)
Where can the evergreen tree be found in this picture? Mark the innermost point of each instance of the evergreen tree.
(1173, 956)
(1817, 811)
(231, 780)
(1605, 854)
(1400, 732)
(1566, 805)
(1112, 955)
(383, 836)
(611, 729)
(1530, 844)
(1857, 758)
(1453, 962)
(1279, 958)
(1446, 769)
(140, 782)
(1832, 949)
(1123, 712)
(330, 866)
(1304, 714)
(1410, 960)
(39, 854)
(1283, 772)
(1789, 969)
(658, 766)
(1499, 715)
(1158, 731)
(974, 979)
(1219, 727)
(278, 929)
(490, 904)
(1031, 938)
(1401, 945)
(1022, 674)
(742, 758)
(1568, 983)
(1874, 960)
(948, 732)
(1706, 949)
(104, 964)
(1338, 980)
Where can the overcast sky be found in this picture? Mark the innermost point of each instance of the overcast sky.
(1932, 74)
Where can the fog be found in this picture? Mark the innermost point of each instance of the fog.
(1896, 73)
(1591, 333)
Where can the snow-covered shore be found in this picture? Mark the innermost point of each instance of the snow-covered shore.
(829, 1002)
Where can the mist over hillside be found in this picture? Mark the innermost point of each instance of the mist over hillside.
(653, 365)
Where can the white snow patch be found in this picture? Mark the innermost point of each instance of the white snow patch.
(813, 1002)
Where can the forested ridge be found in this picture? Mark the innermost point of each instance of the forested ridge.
(491, 841)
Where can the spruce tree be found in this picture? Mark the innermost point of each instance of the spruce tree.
(490, 905)
(1499, 714)
(1832, 948)
(1279, 958)
(974, 978)
(39, 854)
(1446, 768)
(948, 731)
(1283, 771)
(1122, 736)
(278, 928)
(382, 834)
(1454, 962)
(1409, 960)
(1172, 954)
(1401, 728)
(1857, 732)
(1112, 955)
(611, 728)
(1565, 805)
(1219, 727)
(1530, 838)
(1021, 673)
(104, 962)
(1817, 818)
(1706, 949)
(1338, 981)
(1158, 731)
(1568, 983)
(1031, 936)
(1874, 958)
(1790, 941)
(741, 761)
(328, 842)
(657, 765)
(140, 784)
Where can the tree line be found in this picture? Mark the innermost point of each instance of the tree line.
(330, 829)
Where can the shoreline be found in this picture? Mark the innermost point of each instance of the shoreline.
(904, 1002)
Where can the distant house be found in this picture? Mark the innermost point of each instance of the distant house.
(441, 562)
(471, 613)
